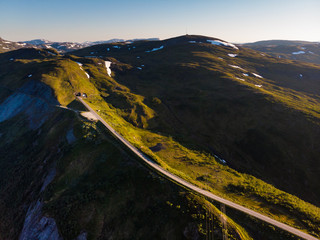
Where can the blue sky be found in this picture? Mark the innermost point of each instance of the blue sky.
(231, 20)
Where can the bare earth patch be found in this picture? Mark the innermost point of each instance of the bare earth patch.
(89, 116)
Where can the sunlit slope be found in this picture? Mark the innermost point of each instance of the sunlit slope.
(259, 113)
(186, 104)
(85, 183)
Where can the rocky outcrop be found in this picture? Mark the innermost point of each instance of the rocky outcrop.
(34, 99)
(37, 226)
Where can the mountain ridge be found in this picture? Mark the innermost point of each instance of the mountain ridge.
(205, 110)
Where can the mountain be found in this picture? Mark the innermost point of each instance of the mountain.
(6, 45)
(295, 50)
(63, 47)
(231, 98)
(63, 176)
(38, 42)
(115, 40)
(232, 120)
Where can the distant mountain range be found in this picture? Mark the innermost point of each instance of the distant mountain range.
(70, 46)
(61, 47)
(294, 50)
(6, 45)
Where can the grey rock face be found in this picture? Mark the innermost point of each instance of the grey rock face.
(34, 99)
(39, 227)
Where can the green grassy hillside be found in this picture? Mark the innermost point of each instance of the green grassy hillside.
(202, 98)
(294, 50)
(98, 188)
(252, 110)
(188, 105)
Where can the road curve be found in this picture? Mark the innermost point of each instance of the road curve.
(205, 193)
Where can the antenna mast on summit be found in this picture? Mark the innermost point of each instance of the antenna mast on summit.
(186, 30)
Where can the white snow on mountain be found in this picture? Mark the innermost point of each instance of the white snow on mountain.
(155, 49)
(234, 66)
(299, 52)
(108, 64)
(257, 75)
(218, 42)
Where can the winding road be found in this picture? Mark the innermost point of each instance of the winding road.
(188, 185)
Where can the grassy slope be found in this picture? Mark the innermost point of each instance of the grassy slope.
(284, 49)
(65, 77)
(248, 125)
(98, 188)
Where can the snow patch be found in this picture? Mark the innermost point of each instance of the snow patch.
(300, 75)
(241, 79)
(245, 74)
(138, 57)
(30, 75)
(220, 159)
(139, 68)
(299, 52)
(80, 64)
(155, 49)
(257, 75)
(259, 86)
(108, 64)
(234, 66)
(226, 44)
(192, 42)
(232, 55)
